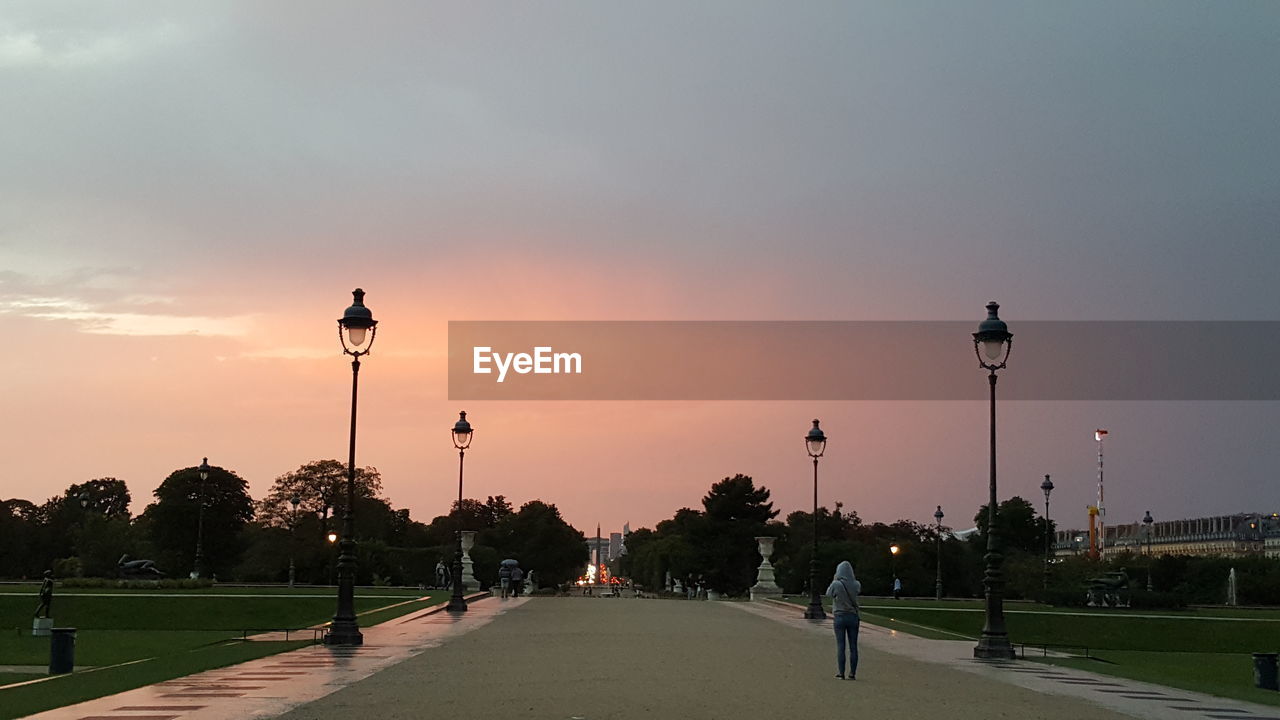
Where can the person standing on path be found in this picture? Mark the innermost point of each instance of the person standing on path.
(897, 588)
(844, 595)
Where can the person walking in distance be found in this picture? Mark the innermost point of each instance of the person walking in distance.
(843, 592)
(897, 588)
(504, 580)
(517, 578)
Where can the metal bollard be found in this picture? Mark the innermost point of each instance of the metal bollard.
(62, 652)
(1264, 671)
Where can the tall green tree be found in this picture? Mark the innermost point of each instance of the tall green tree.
(543, 542)
(1020, 527)
(172, 519)
(321, 488)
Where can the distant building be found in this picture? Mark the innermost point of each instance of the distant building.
(599, 549)
(1221, 535)
(615, 546)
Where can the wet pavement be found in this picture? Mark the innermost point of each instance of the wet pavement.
(591, 658)
(269, 686)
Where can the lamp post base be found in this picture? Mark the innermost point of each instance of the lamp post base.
(457, 603)
(344, 633)
(993, 647)
(814, 611)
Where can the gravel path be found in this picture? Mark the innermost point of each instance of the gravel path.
(595, 658)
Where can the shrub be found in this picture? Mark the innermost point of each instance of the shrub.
(176, 584)
(1141, 599)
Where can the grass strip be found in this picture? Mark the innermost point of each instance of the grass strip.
(1227, 675)
(77, 687)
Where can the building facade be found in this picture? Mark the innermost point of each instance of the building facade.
(1220, 535)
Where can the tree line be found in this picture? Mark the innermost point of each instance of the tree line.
(717, 545)
(85, 531)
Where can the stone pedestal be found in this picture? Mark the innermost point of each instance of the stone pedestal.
(42, 627)
(468, 574)
(765, 587)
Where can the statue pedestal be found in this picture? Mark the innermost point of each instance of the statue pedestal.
(765, 586)
(468, 574)
(42, 627)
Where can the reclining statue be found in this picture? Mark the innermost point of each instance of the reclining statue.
(131, 569)
(1111, 590)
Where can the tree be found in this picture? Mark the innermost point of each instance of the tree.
(107, 497)
(543, 542)
(172, 519)
(1020, 527)
(21, 552)
(737, 498)
(321, 488)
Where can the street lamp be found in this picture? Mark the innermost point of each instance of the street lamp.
(204, 475)
(893, 568)
(356, 330)
(293, 521)
(1047, 487)
(992, 343)
(462, 433)
(937, 541)
(816, 443)
(333, 538)
(1147, 520)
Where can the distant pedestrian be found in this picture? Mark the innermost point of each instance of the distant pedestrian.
(897, 588)
(517, 576)
(844, 595)
(442, 575)
(504, 580)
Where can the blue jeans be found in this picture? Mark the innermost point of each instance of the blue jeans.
(846, 625)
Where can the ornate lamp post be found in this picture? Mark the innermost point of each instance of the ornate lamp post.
(937, 541)
(992, 343)
(204, 475)
(1147, 521)
(356, 330)
(293, 522)
(462, 433)
(1047, 487)
(816, 443)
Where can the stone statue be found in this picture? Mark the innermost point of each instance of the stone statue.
(1111, 590)
(130, 569)
(46, 596)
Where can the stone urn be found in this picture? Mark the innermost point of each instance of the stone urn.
(468, 570)
(765, 586)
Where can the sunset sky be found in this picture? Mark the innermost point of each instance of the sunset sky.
(190, 192)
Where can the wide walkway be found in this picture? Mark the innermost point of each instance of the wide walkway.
(595, 658)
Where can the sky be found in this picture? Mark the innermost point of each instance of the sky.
(191, 191)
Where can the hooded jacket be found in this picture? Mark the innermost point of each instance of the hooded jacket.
(844, 589)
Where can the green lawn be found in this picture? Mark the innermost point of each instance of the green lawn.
(167, 634)
(1223, 674)
(69, 689)
(1203, 649)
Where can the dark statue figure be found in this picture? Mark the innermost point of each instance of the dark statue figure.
(138, 569)
(1111, 590)
(46, 596)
